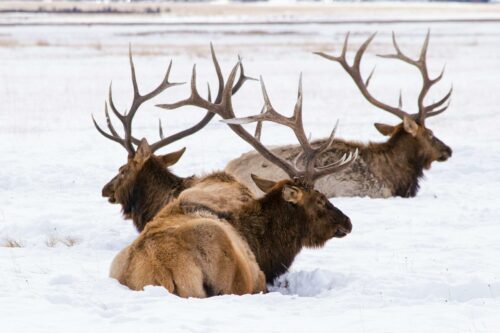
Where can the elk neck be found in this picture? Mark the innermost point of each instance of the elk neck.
(154, 187)
(400, 163)
(274, 229)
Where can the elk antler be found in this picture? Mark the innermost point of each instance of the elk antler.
(424, 111)
(128, 141)
(309, 154)
(225, 110)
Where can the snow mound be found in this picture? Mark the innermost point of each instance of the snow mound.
(308, 283)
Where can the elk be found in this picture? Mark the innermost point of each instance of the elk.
(145, 184)
(391, 168)
(291, 214)
(191, 255)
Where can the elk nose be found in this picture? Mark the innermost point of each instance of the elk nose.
(347, 225)
(106, 191)
(449, 151)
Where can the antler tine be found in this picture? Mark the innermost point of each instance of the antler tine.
(129, 140)
(367, 82)
(438, 103)
(258, 127)
(182, 134)
(140, 99)
(218, 71)
(132, 72)
(209, 93)
(438, 111)
(336, 166)
(160, 130)
(267, 114)
(399, 54)
(108, 121)
(105, 134)
(328, 143)
(112, 104)
(340, 59)
(440, 76)
(243, 78)
(114, 134)
(224, 93)
(270, 114)
(421, 64)
(423, 51)
(196, 100)
(111, 128)
(309, 173)
(360, 52)
(354, 72)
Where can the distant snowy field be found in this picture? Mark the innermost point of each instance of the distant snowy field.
(428, 264)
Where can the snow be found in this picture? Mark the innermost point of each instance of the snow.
(427, 264)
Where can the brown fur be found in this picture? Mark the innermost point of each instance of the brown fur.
(278, 225)
(275, 227)
(191, 255)
(392, 168)
(145, 185)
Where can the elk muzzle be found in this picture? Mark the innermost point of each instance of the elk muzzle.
(108, 191)
(344, 228)
(446, 153)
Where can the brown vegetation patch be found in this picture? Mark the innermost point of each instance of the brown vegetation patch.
(9, 242)
(68, 241)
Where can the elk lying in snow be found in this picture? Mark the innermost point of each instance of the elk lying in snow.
(191, 248)
(195, 255)
(144, 185)
(391, 168)
(291, 214)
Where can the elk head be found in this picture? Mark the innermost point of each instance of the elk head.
(318, 218)
(413, 131)
(428, 147)
(322, 220)
(145, 165)
(294, 199)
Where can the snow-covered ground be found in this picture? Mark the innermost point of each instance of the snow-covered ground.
(428, 264)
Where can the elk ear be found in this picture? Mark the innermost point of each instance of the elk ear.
(263, 184)
(292, 194)
(143, 151)
(384, 129)
(410, 126)
(171, 158)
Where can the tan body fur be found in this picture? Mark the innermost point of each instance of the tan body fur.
(391, 168)
(355, 181)
(218, 192)
(191, 255)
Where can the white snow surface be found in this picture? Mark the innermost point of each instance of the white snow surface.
(426, 264)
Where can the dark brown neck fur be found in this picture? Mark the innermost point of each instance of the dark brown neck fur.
(274, 230)
(154, 187)
(404, 165)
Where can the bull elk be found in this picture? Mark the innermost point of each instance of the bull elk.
(191, 255)
(145, 184)
(192, 249)
(391, 168)
(291, 214)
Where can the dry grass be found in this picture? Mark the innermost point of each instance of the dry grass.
(9, 242)
(42, 43)
(53, 241)
(8, 42)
